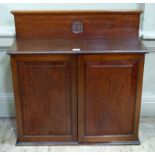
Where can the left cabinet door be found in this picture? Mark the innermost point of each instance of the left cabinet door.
(46, 98)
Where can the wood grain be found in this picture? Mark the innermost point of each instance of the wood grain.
(77, 88)
(97, 24)
(47, 95)
(108, 87)
(66, 46)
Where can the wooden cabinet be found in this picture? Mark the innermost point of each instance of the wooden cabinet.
(77, 80)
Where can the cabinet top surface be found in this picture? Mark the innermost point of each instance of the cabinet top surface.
(70, 46)
(74, 11)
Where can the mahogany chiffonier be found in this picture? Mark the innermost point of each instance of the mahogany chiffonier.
(77, 76)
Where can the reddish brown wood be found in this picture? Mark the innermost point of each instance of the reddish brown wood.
(45, 93)
(103, 78)
(66, 46)
(96, 24)
(107, 97)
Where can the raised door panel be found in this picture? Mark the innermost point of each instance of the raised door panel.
(108, 103)
(47, 97)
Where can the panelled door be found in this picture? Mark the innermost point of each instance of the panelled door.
(46, 97)
(109, 91)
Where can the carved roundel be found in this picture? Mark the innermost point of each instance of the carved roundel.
(77, 27)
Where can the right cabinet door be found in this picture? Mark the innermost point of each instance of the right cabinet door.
(109, 97)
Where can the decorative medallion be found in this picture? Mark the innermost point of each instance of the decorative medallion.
(77, 27)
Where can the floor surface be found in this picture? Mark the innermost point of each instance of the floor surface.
(146, 135)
